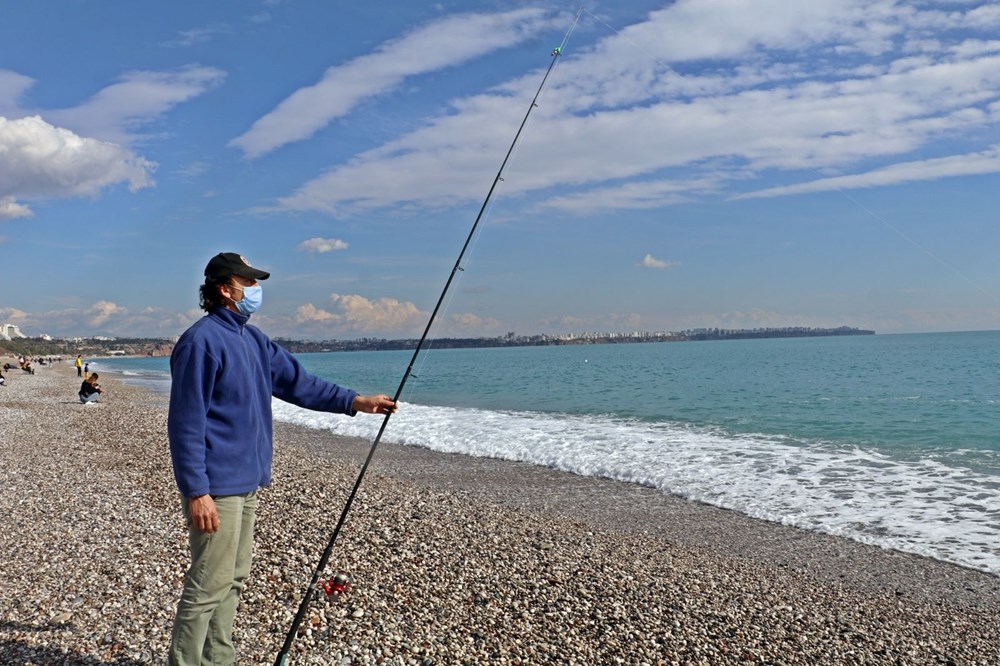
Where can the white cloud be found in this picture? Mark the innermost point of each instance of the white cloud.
(102, 317)
(12, 86)
(357, 314)
(100, 312)
(38, 160)
(769, 88)
(649, 261)
(138, 98)
(194, 169)
(970, 164)
(613, 321)
(10, 209)
(437, 45)
(383, 314)
(195, 36)
(322, 245)
(12, 315)
(713, 29)
(975, 47)
(82, 150)
(985, 16)
(634, 195)
(467, 322)
(309, 313)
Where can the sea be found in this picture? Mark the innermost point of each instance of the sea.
(890, 440)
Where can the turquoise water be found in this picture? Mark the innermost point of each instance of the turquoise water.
(888, 439)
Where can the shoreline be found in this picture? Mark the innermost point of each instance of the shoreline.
(945, 549)
(453, 558)
(608, 504)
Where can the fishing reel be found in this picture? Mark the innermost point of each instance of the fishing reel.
(337, 585)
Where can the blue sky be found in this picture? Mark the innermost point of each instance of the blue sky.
(698, 163)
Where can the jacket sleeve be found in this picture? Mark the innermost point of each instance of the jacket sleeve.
(193, 372)
(292, 383)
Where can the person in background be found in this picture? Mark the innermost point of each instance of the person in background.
(224, 372)
(79, 365)
(90, 390)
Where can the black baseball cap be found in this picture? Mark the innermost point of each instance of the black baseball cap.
(227, 264)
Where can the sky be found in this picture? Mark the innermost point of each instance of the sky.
(689, 164)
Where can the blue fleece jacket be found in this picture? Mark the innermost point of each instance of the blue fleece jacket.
(224, 372)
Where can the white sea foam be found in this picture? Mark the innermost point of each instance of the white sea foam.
(924, 506)
(157, 382)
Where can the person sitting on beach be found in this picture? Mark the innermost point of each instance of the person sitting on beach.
(224, 372)
(26, 366)
(89, 390)
(3, 381)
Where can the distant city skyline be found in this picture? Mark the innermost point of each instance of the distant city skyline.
(565, 335)
(731, 164)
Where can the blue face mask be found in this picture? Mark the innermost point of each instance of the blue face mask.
(251, 301)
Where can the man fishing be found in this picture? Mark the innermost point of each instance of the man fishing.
(224, 372)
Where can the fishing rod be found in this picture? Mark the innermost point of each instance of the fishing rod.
(282, 657)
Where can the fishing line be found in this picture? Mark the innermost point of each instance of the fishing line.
(450, 298)
(917, 245)
(478, 234)
(899, 232)
(512, 157)
(313, 588)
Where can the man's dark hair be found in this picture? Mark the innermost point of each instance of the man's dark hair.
(209, 296)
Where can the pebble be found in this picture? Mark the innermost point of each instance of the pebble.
(437, 576)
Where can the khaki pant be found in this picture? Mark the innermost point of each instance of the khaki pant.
(220, 563)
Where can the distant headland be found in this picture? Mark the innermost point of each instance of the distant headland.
(110, 346)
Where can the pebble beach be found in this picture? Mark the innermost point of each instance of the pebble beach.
(452, 559)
